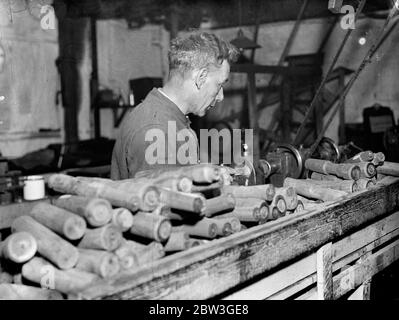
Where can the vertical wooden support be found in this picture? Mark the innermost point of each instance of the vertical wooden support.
(363, 291)
(341, 85)
(324, 272)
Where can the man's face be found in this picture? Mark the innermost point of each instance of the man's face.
(211, 90)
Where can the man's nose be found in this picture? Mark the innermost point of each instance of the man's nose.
(220, 95)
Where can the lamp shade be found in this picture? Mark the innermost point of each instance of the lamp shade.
(242, 42)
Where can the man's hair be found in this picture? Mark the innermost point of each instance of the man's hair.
(199, 50)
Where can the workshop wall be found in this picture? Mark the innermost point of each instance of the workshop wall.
(28, 81)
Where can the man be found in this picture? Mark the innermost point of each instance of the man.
(151, 135)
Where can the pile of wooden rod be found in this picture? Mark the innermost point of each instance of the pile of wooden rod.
(329, 181)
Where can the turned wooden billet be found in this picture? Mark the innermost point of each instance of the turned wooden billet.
(378, 159)
(324, 177)
(50, 245)
(178, 241)
(389, 169)
(144, 190)
(290, 197)
(183, 201)
(219, 204)
(118, 198)
(127, 257)
(100, 262)
(244, 214)
(367, 169)
(182, 184)
(232, 220)
(364, 156)
(265, 191)
(107, 238)
(23, 292)
(364, 184)
(41, 272)
(249, 202)
(342, 170)
(224, 228)
(151, 226)
(201, 173)
(63, 222)
(343, 185)
(18, 247)
(122, 218)
(278, 207)
(205, 228)
(96, 211)
(308, 189)
(146, 253)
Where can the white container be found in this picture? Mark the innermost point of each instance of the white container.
(34, 188)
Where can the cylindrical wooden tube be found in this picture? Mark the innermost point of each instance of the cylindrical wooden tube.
(107, 238)
(324, 177)
(233, 221)
(364, 184)
(280, 203)
(66, 281)
(274, 213)
(151, 226)
(49, 244)
(205, 228)
(103, 263)
(202, 173)
(300, 207)
(363, 156)
(289, 195)
(59, 220)
(183, 201)
(219, 204)
(367, 169)
(224, 227)
(127, 257)
(24, 292)
(342, 170)
(244, 214)
(308, 189)
(18, 247)
(389, 169)
(178, 241)
(264, 211)
(122, 218)
(146, 253)
(118, 198)
(181, 184)
(96, 211)
(378, 159)
(265, 191)
(343, 185)
(249, 202)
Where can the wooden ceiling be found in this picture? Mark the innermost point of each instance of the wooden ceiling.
(190, 13)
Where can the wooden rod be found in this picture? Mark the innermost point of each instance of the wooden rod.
(40, 271)
(265, 191)
(100, 262)
(219, 204)
(244, 214)
(389, 169)
(107, 238)
(364, 156)
(122, 218)
(49, 245)
(183, 201)
(127, 257)
(342, 170)
(96, 211)
(343, 185)
(63, 222)
(205, 228)
(364, 184)
(23, 292)
(367, 169)
(378, 159)
(232, 220)
(18, 247)
(324, 177)
(289, 195)
(151, 226)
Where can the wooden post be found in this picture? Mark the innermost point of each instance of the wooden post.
(151, 226)
(100, 262)
(49, 244)
(324, 272)
(59, 220)
(18, 247)
(106, 238)
(96, 211)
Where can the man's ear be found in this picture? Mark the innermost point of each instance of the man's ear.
(200, 77)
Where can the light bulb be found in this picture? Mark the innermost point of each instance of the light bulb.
(362, 41)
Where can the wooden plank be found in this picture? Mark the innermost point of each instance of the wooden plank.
(355, 275)
(324, 272)
(222, 264)
(302, 273)
(9, 212)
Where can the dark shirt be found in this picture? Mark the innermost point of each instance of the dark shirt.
(132, 153)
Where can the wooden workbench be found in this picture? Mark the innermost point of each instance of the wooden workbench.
(354, 238)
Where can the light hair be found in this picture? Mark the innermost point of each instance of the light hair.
(199, 50)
